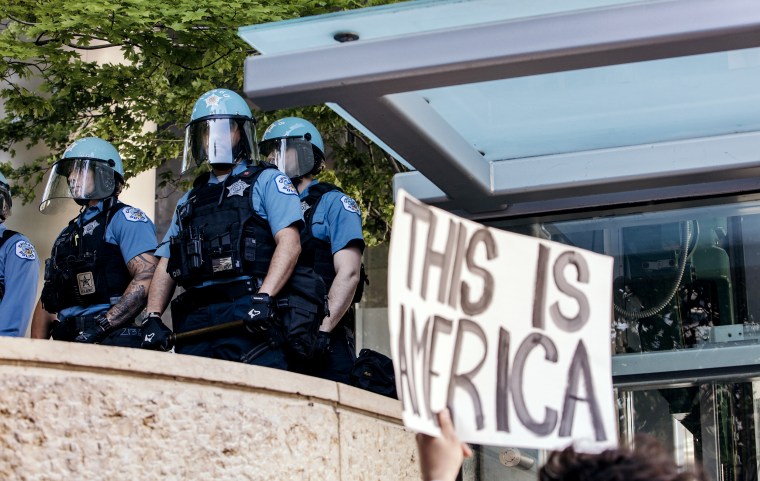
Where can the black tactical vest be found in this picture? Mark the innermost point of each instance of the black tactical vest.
(317, 253)
(220, 235)
(85, 269)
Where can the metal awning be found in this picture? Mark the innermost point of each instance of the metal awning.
(532, 102)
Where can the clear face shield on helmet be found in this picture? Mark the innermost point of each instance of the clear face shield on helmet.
(218, 141)
(5, 201)
(83, 180)
(292, 155)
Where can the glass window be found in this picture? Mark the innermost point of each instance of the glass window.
(711, 425)
(684, 277)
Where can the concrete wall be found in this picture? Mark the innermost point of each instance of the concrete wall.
(81, 412)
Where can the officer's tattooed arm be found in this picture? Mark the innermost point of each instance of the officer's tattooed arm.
(141, 267)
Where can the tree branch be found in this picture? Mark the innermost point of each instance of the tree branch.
(22, 22)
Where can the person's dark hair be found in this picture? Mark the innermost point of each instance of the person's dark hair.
(647, 461)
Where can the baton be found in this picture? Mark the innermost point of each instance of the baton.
(183, 337)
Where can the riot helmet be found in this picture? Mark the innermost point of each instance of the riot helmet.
(5, 198)
(221, 131)
(294, 146)
(89, 170)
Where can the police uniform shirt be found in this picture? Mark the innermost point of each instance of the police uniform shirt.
(131, 230)
(19, 270)
(273, 197)
(337, 220)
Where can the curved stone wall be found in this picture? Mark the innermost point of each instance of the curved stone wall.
(80, 412)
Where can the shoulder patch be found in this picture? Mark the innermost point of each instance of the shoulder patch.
(350, 204)
(25, 250)
(133, 214)
(284, 185)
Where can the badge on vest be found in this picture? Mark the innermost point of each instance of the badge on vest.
(284, 185)
(350, 204)
(221, 264)
(90, 228)
(25, 250)
(86, 283)
(133, 214)
(237, 188)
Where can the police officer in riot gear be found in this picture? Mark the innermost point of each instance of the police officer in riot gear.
(19, 270)
(331, 241)
(232, 244)
(100, 269)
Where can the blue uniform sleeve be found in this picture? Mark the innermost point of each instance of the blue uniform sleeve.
(21, 269)
(163, 247)
(133, 232)
(338, 220)
(276, 200)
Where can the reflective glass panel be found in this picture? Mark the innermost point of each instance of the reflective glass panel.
(711, 425)
(684, 277)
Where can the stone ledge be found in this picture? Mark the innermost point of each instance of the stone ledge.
(73, 411)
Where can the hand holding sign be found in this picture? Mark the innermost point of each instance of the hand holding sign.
(510, 331)
(441, 457)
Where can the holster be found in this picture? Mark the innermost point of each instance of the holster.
(300, 319)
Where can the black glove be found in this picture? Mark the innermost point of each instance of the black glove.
(321, 345)
(261, 314)
(60, 331)
(156, 335)
(96, 333)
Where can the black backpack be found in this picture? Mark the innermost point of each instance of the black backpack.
(373, 371)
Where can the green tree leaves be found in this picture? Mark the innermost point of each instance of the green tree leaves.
(165, 55)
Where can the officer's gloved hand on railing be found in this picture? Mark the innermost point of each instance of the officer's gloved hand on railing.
(96, 333)
(156, 335)
(261, 313)
(321, 345)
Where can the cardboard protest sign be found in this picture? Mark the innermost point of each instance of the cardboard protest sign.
(511, 332)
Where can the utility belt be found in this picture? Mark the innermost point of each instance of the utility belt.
(198, 297)
(69, 328)
(297, 319)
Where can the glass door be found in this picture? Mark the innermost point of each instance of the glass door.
(712, 425)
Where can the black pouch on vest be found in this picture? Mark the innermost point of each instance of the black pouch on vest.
(301, 309)
(373, 371)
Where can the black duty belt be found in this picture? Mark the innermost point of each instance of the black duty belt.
(80, 323)
(197, 297)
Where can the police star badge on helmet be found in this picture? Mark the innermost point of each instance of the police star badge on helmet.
(221, 132)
